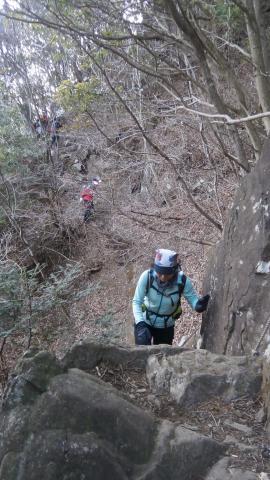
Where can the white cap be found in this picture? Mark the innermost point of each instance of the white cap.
(166, 261)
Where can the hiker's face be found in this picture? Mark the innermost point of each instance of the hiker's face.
(163, 278)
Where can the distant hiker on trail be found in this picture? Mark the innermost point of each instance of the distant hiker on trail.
(87, 198)
(56, 125)
(157, 299)
(37, 128)
(96, 181)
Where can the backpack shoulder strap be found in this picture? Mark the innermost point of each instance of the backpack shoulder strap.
(150, 280)
(181, 285)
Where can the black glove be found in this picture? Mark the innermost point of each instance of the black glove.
(142, 334)
(202, 303)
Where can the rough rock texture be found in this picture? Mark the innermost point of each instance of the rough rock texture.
(81, 427)
(239, 273)
(197, 376)
(222, 471)
(266, 390)
(71, 425)
(87, 354)
(30, 378)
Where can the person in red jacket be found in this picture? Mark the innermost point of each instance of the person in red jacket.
(87, 194)
(87, 198)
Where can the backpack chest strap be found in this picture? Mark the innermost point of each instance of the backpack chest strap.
(178, 310)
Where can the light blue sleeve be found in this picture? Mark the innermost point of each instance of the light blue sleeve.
(190, 294)
(138, 298)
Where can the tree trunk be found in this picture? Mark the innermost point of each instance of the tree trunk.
(256, 32)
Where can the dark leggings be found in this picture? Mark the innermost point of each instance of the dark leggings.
(158, 336)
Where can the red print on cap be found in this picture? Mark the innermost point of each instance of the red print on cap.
(158, 256)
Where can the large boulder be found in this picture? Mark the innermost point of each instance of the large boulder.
(30, 378)
(198, 376)
(60, 422)
(87, 354)
(238, 277)
(79, 427)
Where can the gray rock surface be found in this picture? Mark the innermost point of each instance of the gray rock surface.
(223, 471)
(31, 377)
(71, 425)
(265, 412)
(87, 354)
(81, 427)
(238, 277)
(197, 376)
(238, 426)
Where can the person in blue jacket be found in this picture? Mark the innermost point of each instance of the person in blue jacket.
(157, 300)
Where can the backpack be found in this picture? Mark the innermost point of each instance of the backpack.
(178, 311)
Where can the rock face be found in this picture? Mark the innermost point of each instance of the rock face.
(87, 354)
(266, 389)
(60, 422)
(239, 273)
(197, 376)
(221, 472)
(78, 427)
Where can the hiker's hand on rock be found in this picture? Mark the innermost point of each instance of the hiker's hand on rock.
(202, 303)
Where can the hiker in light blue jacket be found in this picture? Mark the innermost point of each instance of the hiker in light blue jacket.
(157, 300)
